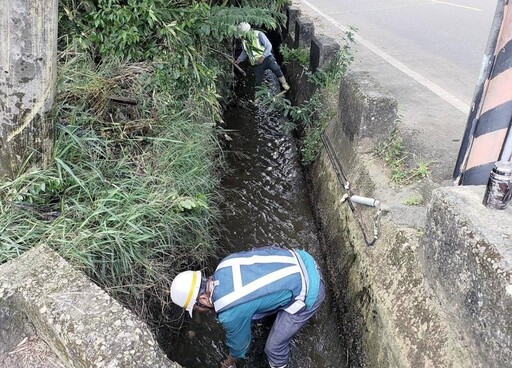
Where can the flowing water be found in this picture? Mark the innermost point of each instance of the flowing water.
(266, 202)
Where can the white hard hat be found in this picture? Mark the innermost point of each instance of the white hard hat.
(184, 289)
(243, 27)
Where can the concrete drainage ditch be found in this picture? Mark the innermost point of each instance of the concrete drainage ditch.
(434, 291)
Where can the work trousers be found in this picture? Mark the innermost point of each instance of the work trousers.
(285, 327)
(269, 63)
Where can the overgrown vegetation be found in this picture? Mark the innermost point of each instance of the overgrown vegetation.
(311, 115)
(131, 196)
(396, 158)
(300, 55)
(131, 192)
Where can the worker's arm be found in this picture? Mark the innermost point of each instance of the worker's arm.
(237, 320)
(241, 57)
(237, 323)
(266, 43)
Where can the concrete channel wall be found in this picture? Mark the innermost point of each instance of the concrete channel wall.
(42, 296)
(435, 287)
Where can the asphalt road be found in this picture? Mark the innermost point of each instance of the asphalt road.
(426, 53)
(444, 41)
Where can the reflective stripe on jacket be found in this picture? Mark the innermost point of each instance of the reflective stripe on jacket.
(253, 47)
(246, 276)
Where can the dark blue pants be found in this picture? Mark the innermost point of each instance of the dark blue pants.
(269, 63)
(285, 327)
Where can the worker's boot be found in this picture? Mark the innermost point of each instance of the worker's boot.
(285, 85)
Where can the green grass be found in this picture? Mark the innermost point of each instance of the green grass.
(392, 152)
(130, 196)
(415, 200)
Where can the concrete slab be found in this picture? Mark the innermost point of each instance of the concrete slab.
(323, 50)
(292, 14)
(365, 108)
(79, 321)
(304, 31)
(467, 257)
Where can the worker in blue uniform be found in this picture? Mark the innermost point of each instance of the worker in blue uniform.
(250, 285)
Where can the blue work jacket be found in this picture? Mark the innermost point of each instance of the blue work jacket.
(258, 282)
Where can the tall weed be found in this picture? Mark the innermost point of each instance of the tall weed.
(131, 195)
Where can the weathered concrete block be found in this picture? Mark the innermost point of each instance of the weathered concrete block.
(467, 255)
(77, 319)
(28, 71)
(304, 32)
(365, 109)
(323, 50)
(20, 345)
(292, 13)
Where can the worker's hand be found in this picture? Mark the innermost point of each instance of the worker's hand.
(228, 363)
(237, 62)
(261, 60)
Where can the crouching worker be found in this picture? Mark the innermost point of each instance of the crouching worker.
(258, 48)
(250, 285)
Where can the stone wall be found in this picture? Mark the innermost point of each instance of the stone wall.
(410, 286)
(80, 323)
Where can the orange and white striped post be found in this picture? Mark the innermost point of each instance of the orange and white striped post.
(488, 135)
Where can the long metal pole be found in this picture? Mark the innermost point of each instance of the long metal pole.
(475, 160)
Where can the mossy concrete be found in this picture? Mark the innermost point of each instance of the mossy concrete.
(467, 256)
(392, 315)
(425, 293)
(81, 323)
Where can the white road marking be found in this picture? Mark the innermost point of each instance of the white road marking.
(442, 93)
(390, 7)
(457, 5)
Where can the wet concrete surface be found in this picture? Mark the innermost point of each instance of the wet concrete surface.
(266, 202)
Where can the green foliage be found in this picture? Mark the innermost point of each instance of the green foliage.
(305, 113)
(310, 115)
(183, 37)
(276, 5)
(326, 79)
(391, 150)
(414, 201)
(131, 195)
(421, 171)
(311, 143)
(393, 153)
(223, 20)
(299, 55)
(173, 31)
(331, 74)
